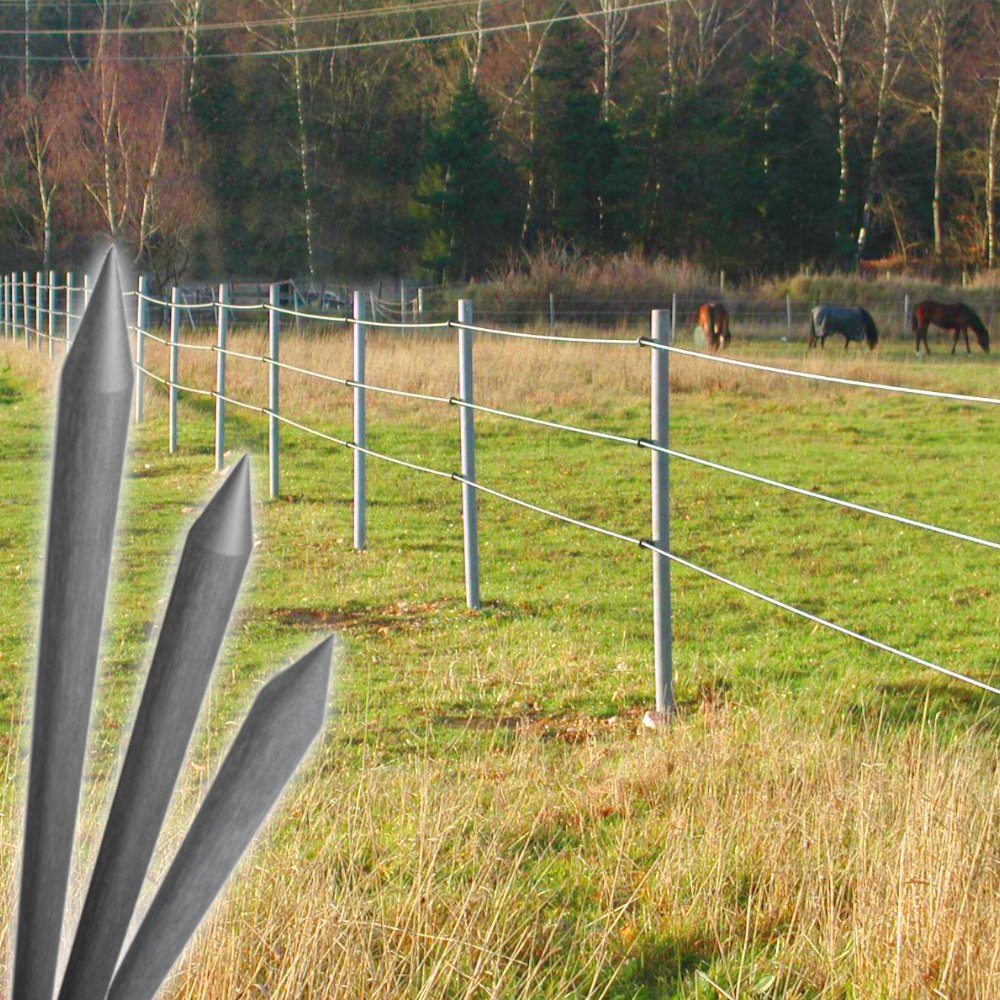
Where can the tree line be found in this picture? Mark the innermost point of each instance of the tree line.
(321, 138)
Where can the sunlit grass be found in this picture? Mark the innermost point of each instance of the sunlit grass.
(486, 816)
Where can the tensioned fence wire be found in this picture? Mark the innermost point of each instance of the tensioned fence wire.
(641, 442)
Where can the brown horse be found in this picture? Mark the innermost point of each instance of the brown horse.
(956, 316)
(714, 322)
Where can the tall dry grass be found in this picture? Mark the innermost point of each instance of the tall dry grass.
(738, 848)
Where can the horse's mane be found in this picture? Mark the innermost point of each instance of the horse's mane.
(871, 330)
(976, 323)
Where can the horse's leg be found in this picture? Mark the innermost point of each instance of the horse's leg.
(965, 333)
(954, 343)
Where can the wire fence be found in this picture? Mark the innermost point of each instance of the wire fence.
(26, 323)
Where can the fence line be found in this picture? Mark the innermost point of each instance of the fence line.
(662, 320)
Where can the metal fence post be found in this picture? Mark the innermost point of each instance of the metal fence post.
(52, 314)
(273, 435)
(28, 317)
(673, 318)
(470, 529)
(360, 436)
(174, 351)
(39, 307)
(660, 497)
(141, 326)
(788, 312)
(220, 377)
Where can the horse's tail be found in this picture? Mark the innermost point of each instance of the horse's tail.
(871, 330)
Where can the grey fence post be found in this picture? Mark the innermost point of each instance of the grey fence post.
(906, 312)
(141, 327)
(660, 497)
(15, 305)
(360, 435)
(470, 531)
(52, 314)
(722, 281)
(29, 319)
(174, 352)
(420, 303)
(673, 318)
(6, 307)
(273, 431)
(788, 313)
(220, 377)
(70, 327)
(552, 309)
(40, 303)
(86, 290)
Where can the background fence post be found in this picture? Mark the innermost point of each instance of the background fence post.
(420, 304)
(660, 497)
(273, 431)
(15, 304)
(26, 296)
(467, 428)
(40, 296)
(6, 307)
(788, 312)
(86, 291)
(220, 377)
(552, 309)
(141, 326)
(360, 436)
(673, 318)
(70, 280)
(52, 314)
(906, 312)
(174, 351)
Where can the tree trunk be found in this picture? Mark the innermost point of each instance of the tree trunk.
(939, 164)
(991, 181)
(300, 109)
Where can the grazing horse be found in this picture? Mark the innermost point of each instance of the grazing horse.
(851, 322)
(714, 322)
(956, 316)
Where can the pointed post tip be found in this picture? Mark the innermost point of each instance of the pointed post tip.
(226, 524)
(101, 352)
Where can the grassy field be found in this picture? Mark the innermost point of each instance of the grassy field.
(486, 816)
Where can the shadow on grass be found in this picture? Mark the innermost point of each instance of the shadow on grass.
(664, 968)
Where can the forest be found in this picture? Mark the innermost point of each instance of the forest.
(343, 139)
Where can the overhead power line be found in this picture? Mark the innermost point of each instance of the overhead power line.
(421, 6)
(345, 46)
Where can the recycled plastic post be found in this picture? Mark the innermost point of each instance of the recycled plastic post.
(40, 302)
(212, 566)
(6, 307)
(660, 497)
(52, 314)
(552, 308)
(788, 312)
(86, 289)
(95, 396)
(470, 531)
(273, 435)
(220, 377)
(360, 436)
(906, 312)
(673, 318)
(174, 351)
(141, 328)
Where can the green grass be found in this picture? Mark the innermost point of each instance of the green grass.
(561, 653)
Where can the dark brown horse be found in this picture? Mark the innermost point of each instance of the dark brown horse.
(714, 322)
(955, 316)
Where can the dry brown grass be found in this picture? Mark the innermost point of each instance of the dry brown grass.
(839, 862)
(529, 376)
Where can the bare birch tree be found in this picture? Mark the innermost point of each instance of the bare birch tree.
(885, 27)
(834, 22)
